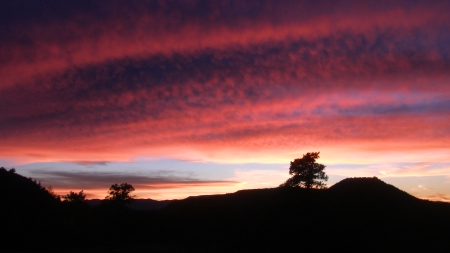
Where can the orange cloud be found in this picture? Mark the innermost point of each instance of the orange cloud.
(437, 197)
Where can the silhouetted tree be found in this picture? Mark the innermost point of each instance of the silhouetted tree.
(74, 197)
(306, 173)
(120, 194)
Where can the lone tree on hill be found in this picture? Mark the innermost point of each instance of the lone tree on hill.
(306, 173)
(120, 194)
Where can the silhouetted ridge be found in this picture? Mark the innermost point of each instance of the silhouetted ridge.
(19, 192)
(137, 204)
(356, 214)
(358, 183)
(369, 187)
(27, 208)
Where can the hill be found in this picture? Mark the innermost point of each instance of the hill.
(359, 213)
(23, 192)
(26, 207)
(369, 186)
(356, 214)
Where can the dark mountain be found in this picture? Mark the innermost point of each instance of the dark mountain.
(356, 214)
(361, 214)
(21, 192)
(26, 207)
(369, 188)
(137, 204)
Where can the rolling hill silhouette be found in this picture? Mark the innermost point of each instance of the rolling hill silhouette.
(356, 214)
(23, 192)
(371, 186)
(26, 208)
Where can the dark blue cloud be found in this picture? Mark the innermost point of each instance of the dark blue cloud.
(258, 74)
(435, 107)
(158, 72)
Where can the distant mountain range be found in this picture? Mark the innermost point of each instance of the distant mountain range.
(356, 214)
(137, 204)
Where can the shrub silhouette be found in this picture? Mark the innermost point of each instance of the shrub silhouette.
(306, 172)
(74, 197)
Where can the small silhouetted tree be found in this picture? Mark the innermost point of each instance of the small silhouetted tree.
(306, 173)
(120, 194)
(74, 197)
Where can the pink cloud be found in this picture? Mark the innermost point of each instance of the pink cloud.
(103, 33)
(184, 80)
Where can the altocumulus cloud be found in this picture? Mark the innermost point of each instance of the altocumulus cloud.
(87, 81)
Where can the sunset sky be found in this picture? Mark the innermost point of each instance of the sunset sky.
(183, 98)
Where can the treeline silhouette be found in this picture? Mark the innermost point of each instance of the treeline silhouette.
(356, 214)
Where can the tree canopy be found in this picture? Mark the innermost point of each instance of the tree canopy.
(306, 173)
(120, 194)
(74, 197)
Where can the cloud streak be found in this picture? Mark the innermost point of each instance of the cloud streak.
(95, 184)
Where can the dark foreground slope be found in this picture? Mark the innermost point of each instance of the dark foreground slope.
(363, 214)
(26, 209)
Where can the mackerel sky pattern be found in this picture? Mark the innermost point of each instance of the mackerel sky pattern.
(222, 81)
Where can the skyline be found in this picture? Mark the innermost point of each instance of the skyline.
(202, 97)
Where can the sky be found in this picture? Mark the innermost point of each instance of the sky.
(182, 98)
